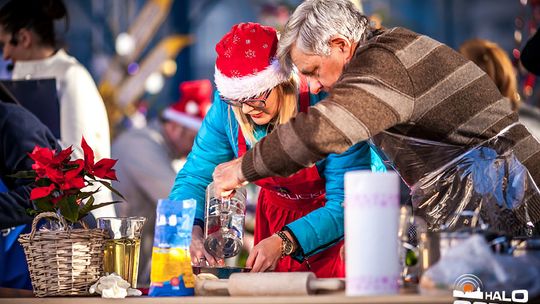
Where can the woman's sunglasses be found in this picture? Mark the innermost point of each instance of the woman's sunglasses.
(259, 102)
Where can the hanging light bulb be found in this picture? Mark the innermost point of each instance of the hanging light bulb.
(125, 44)
(154, 83)
(168, 67)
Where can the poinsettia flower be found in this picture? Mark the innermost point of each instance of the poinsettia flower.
(54, 174)
(73, 179)
(73, 183)
(47, 164)
(42, 155)
(62, 180)
(103, 168)
(62, 156)
(88, 156)
(40, 192)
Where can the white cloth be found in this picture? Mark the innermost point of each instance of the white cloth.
(113, 286)
(82, 111)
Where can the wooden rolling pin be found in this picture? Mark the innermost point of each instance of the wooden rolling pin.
(271, 284)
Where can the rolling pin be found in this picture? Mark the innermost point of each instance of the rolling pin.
(272, 284)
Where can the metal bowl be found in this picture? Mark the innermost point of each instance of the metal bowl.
(222, 272)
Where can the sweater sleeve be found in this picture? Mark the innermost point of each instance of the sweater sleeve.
(373, 94)
(211, 148)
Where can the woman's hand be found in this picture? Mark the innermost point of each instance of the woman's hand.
(228, 177)
(265, 255)
(199, 256)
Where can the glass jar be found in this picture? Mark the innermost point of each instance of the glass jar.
(224, 223)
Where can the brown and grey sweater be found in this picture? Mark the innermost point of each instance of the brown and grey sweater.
(404, 83)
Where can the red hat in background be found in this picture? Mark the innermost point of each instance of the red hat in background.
(195, 100)
(246, 63)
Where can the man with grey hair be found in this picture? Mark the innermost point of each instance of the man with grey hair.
(399, 88)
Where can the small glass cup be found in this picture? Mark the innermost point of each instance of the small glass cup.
(123, 248)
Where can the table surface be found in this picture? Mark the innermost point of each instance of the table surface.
(17, 296)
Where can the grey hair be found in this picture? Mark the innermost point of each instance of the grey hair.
(315, 22)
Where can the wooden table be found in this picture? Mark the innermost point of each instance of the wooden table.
(9, 296)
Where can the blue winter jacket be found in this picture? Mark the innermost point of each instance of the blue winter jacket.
(217, 142)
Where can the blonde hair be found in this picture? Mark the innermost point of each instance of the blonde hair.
(287, 98)
(496, 63)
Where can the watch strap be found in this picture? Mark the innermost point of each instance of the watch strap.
(287, 245)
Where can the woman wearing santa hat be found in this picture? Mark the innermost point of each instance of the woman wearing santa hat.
(299, 219)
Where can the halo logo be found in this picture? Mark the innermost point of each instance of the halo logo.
(469, 286)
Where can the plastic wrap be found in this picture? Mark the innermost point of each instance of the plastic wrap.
(446, 180)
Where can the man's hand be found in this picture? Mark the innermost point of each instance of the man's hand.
(265, 255)
(228, 177)
(199, 256)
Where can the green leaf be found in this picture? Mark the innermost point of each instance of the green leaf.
(31, 212)
(44, 204)
(43, 182)
(84, 195)
(86, 208)
(104, 204)
(69, 208)
(109, 186)
(24, 174)
(89, 206)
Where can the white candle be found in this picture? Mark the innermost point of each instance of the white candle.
(371, 227)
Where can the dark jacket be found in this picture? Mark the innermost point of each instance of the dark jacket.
(20, 132)
(530, 56)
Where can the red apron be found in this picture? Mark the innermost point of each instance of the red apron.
(284, 200)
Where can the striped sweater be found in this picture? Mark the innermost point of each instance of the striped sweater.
(404, 83)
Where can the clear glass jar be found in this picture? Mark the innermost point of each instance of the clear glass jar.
(224, 223)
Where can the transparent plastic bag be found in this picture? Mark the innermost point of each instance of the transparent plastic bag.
(474, 257)
(446, 180)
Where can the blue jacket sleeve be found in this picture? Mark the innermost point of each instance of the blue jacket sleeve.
(324, 227)
(210, 148)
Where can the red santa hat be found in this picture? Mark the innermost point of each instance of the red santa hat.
(246, 63)
(195, 100)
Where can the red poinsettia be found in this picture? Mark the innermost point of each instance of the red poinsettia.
(60, 181)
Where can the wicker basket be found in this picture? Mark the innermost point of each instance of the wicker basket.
(63, 263)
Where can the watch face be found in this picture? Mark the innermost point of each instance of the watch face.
(288, 248)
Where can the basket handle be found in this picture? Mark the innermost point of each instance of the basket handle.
(45, 215)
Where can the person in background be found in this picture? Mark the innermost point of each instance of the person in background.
(495, 62)
(299, 219)
(29, 40)
(20, 132)
(150, 157)
(378, 89)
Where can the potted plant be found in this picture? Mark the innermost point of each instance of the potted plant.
(62, 259)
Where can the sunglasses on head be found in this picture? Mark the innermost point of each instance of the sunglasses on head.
(258, 102)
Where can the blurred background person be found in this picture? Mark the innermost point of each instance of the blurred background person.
(150, 157)
(27, 33)
(20, 132)
(530, 56)
(495, 62)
